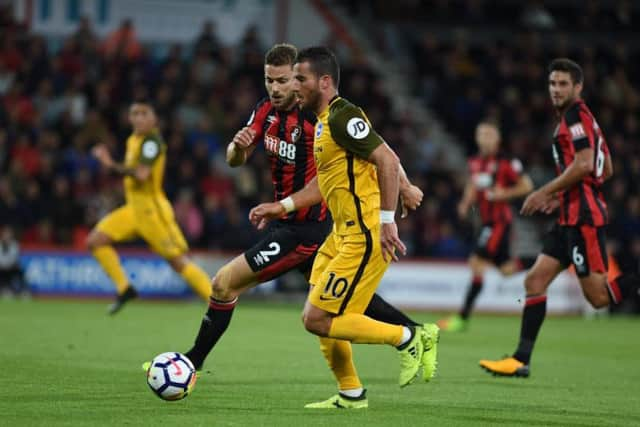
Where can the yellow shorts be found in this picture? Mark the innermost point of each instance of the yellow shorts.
(346, 272)
(153, 222)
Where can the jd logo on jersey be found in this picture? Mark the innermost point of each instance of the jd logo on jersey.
(357, 128)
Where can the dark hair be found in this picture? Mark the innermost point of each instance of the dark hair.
(323, 62)
(489, 122)
(492, 123)
(144, 101)
(568, 66)
(281, 54)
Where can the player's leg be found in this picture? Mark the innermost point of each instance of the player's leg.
(117, 226)
(458, 322)
(337, 353)
(351, 394)
(512, 266)
(341, 292)
(229, 282)
(381, 310)
(161, 232)
(281, 250)
(589, 257)
(538, 279)
(192, 274)
(492, 248)
(378, 308)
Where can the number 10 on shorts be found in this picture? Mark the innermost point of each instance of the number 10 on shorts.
(335, 287)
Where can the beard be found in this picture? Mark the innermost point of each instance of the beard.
(286, 102)
(313, 101)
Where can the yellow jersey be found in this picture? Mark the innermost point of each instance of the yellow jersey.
(151, 150)
(343, 141)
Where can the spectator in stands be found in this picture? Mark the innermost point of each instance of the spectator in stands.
(11, 274)
(123, 42)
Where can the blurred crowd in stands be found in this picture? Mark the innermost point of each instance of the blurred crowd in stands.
(477, 59)
(58, 102)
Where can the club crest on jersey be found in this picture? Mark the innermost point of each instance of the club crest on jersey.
(296, 133)
(319, 130)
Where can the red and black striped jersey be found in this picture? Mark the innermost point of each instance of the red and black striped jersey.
(490, 172)
(584, 202)
(288, 140)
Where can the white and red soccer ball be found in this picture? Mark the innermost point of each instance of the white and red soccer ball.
(171, 376)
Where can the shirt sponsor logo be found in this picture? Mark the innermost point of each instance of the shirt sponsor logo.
(357, 128)
(577, 131)
(150, 149)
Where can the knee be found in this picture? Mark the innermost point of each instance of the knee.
(221, 288)
(598, 299)
(178, 263)
(535, 285)
(477, 266)
(95, 240)
(317, 325)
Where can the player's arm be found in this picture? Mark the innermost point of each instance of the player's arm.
(263, 213)
(522, 187)
(141, 172)
(241, 147)
(244, 141)
(388, 168)
(351, 129)
(581, 167)
(584, 144)
(410, 195)
(469, 196)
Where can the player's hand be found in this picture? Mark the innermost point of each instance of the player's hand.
(265, 212)
(553, 204)
(496, 194)
(244, 138)
(101, 153)
(410, 199)
(537, 201)
(390, 241)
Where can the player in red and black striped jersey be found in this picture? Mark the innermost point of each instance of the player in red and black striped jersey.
(583, 163)
(494, 181)
(291, 243)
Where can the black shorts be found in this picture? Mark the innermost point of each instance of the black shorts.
(580, 245)
(286, 247)
(494, 242)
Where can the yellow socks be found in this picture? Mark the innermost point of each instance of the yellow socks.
(110, 262)
(340, 360)
(360, 329)
(197, 279)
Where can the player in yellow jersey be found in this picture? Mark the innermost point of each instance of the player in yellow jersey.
(358, 176)
(147, 212)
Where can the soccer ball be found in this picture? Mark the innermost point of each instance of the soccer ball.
(171, 376)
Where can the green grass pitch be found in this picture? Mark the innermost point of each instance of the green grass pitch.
(67, 363)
